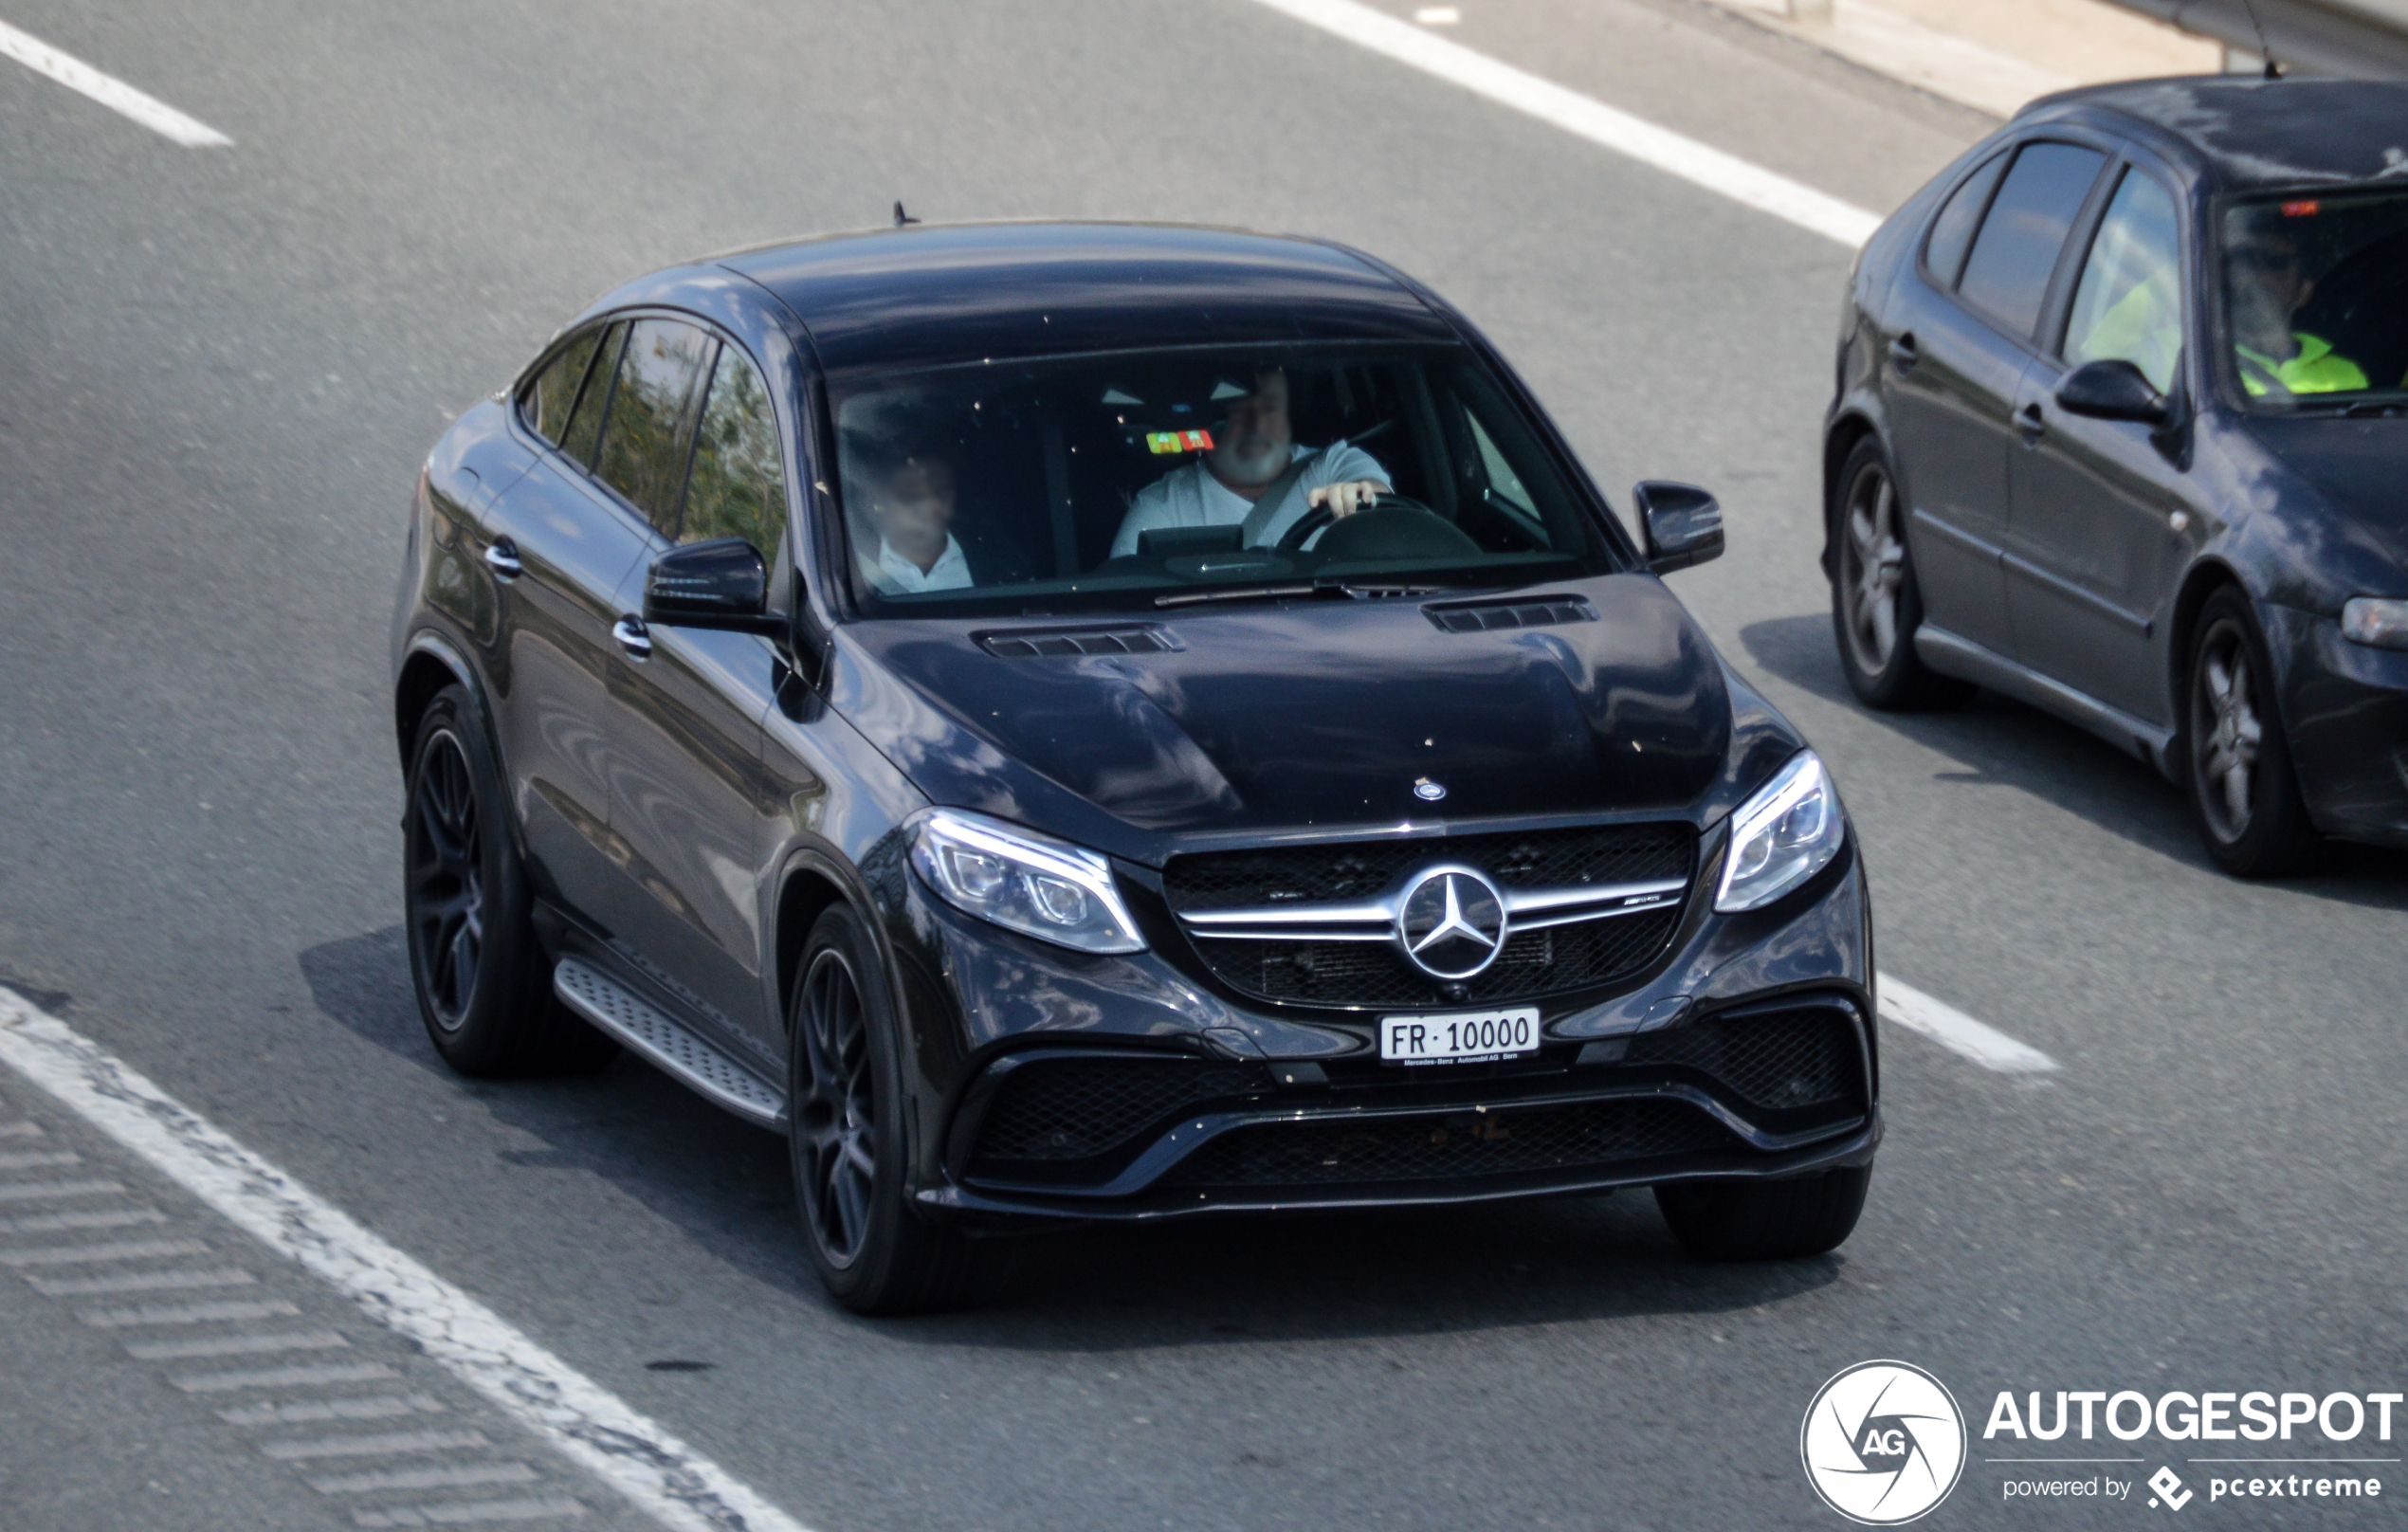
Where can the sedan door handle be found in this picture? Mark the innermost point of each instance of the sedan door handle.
(633, 637)
(1903, 354)
(502, 557)
(2030, 424)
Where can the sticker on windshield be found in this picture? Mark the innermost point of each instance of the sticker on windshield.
(1186, 441)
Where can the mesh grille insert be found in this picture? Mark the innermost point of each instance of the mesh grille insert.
(1067, 1109)
(1442, 1145)
(1778, 1059)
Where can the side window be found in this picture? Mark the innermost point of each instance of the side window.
(644, 437)
(2007, 274)
(546, 401)
(1952, 232)
(738, 485)
(2128, 306)
(585, 425)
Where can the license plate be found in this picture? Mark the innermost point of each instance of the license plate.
(1472, 1037)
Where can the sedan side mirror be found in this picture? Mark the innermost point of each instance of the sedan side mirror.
(2112, 390)
(721, 584)
(1683, 523)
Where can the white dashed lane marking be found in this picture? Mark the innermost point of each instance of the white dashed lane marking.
(38, 1159)
(1958, 1032)
(59, 1223)
(51, 1190)
(1584, 116)
(109, 91)
(119, 1319)
(90, 1254)
(481, 1473)
(659, 1474)
(386, 1406)
(234, 1345)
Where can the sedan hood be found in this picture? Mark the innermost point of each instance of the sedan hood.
(2354, 466)
(1312, 716)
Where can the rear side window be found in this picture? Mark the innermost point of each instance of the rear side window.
(2007, 274)
(546, 402)
(1952, 232)
(739, 485)
(646, 435)
(585, 425)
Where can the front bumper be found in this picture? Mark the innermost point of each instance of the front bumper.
(2346, 709)
(1221, 1104)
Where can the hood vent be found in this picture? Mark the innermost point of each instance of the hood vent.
(1535, 612)
(1032, 643)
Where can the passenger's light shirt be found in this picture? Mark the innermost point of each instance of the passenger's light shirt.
(898, 575)
(1188, 496)
(2314, 370)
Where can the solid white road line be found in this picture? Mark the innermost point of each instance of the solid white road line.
(109, 91)
(670, 1481)
(1953, 1029)
(1752, 185)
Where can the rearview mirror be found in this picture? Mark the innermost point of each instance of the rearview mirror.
(721, 584)
(1682, 522)
(2112, 390)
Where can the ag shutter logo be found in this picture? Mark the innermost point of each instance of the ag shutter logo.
(1883, 1443)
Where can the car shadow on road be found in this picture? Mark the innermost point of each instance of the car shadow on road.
(1224, 1280)
(2000, 740)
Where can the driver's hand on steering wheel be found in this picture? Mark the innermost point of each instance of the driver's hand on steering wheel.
(1345, 498)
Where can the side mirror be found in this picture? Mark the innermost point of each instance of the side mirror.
(1683, 523)
(2112, 390)
(721, 584)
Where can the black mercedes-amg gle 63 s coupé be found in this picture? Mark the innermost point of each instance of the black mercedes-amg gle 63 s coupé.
(1088, 723)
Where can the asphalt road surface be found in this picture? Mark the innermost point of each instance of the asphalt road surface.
(219, 369)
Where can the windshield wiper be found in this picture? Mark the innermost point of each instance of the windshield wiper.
(1295, 590)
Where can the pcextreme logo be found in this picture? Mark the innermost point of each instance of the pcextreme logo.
(1883, 1443)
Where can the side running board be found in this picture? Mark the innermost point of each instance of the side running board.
(675, 1049)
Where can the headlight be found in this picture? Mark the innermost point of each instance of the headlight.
(1022, 881)
(1784, 835)
(2383, 623)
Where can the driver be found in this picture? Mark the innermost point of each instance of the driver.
(2269, 289)
(1251, 451)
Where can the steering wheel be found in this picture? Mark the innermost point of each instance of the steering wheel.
(1321, 516)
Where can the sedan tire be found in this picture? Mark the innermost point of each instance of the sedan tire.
(2244, 793)
(846, 1135)
(1875, 604)
(1780, 1220)
(483, 981)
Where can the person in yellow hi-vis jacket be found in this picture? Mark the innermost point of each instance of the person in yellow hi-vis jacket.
(2267, 290)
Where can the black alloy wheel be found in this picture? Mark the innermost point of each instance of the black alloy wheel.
(846, 1135)
(2243, 792)
(484, 984)
(1876, 604)
(1765, 1220)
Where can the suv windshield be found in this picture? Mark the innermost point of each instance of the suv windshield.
(1141, 479)
(2316, 298)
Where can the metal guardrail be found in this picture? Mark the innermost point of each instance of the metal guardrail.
(2358, 39)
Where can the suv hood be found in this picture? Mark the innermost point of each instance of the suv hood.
(1315, 715)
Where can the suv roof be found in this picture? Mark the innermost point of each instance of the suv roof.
(2249, 132)
(928, 295)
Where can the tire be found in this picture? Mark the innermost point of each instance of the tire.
(1781, 1220)
(846, 1139)
(482, 981)
(1875, 604)
(2244, 795)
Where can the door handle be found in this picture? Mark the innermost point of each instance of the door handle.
(633, 637)
(1903, 354)
(501, 556)
(2030, 424)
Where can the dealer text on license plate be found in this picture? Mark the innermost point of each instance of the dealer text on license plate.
(1472, 1037)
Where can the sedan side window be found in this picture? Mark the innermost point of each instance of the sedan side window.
(2128, 306)
(2007, 275)
(585, 425)
(738, 485)
(546, 402)
(645, 438)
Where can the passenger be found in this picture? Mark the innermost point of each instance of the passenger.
(911, 507)
(2268, 290)
(1252, 451)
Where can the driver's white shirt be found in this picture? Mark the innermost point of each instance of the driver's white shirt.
(1188, 496)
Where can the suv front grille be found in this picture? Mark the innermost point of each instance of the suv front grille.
(1439, 1146)
(1574, 951)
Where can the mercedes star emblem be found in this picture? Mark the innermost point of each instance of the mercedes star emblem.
(1451, 923)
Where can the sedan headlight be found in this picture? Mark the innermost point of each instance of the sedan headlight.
(1784, 835)
(2381, 624)
(1022, 881)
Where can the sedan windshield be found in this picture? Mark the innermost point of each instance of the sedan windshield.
(2316, 299)
(1138, 481)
